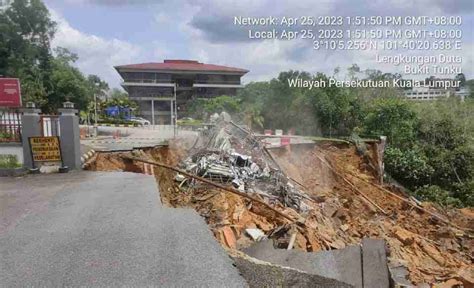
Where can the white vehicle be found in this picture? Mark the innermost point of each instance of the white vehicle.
(141, 121)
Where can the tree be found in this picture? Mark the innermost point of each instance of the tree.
(392, 117)
(203, 108)
(253, 117)
(353, 71)
(461, 78)
(447, 143)
(68, 83)
(410, 167)
(281, 110)
(25, 33)
(117, 93)
(470, 86)
(119, 98)
(98, 86)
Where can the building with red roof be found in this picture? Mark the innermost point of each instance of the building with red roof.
(163, 90)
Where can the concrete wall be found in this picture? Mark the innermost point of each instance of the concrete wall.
(30, 127)
(358, 265)
(12, 149)
(343, 265)
(70, 138)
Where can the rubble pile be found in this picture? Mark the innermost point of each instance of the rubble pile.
(219, 161)
(334, 214)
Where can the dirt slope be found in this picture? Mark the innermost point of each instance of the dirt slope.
(432, 250)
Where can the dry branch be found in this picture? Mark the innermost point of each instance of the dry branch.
(228, 189)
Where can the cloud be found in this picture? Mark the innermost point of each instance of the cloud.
(115, 2)
(203, 30)
(97, 55)
(215, 36)
(217, 24)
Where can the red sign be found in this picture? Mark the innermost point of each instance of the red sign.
(285, 141)
(10, 94)
(267, 132)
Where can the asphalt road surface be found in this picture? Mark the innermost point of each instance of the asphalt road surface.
(103, 229)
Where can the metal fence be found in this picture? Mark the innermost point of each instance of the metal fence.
(10, 125)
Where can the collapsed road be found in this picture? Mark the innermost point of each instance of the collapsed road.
(328, 199)
(85, 229)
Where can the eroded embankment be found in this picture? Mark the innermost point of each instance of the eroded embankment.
(345, 205)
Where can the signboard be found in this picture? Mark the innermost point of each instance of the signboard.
(10, 93)
(285, 141)
(45, 149)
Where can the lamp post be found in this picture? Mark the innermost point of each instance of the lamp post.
(95, 110)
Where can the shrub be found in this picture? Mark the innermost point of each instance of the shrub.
(9, 161)
(409, 167)
(438, 195)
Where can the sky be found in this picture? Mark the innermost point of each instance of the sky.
(106, 33)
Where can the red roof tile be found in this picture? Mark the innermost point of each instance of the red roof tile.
(182, 65)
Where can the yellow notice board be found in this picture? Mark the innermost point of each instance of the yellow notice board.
(45, 149)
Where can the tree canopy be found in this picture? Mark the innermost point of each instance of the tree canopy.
(48, 78)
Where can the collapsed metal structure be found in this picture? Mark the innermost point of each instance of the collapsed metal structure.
(217, 159)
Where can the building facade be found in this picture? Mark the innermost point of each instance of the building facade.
(434, 89)
(163, 90)
(427, 94)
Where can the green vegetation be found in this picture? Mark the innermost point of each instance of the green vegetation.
(5, 135)
(118, 98)
(202, 108)
(9, 161)
(48, 77)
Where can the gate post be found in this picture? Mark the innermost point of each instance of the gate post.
(30, 127)
(70, 136)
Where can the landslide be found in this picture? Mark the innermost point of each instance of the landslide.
(435, 245)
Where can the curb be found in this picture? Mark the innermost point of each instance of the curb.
(118, 125)
(128, 141)
(86, 156)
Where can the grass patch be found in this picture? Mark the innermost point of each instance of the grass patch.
(9, 162)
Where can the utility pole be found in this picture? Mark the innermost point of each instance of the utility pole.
(95, 110)
(175, 110)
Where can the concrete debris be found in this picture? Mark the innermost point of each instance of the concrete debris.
(399, 275)
(259, 273)
(374, 263)
(256, 234)
(220, 162)
(179, 178)
(341, 265)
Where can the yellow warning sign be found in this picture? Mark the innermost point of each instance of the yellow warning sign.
(45, 149)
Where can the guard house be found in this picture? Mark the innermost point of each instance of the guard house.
(162, 90)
